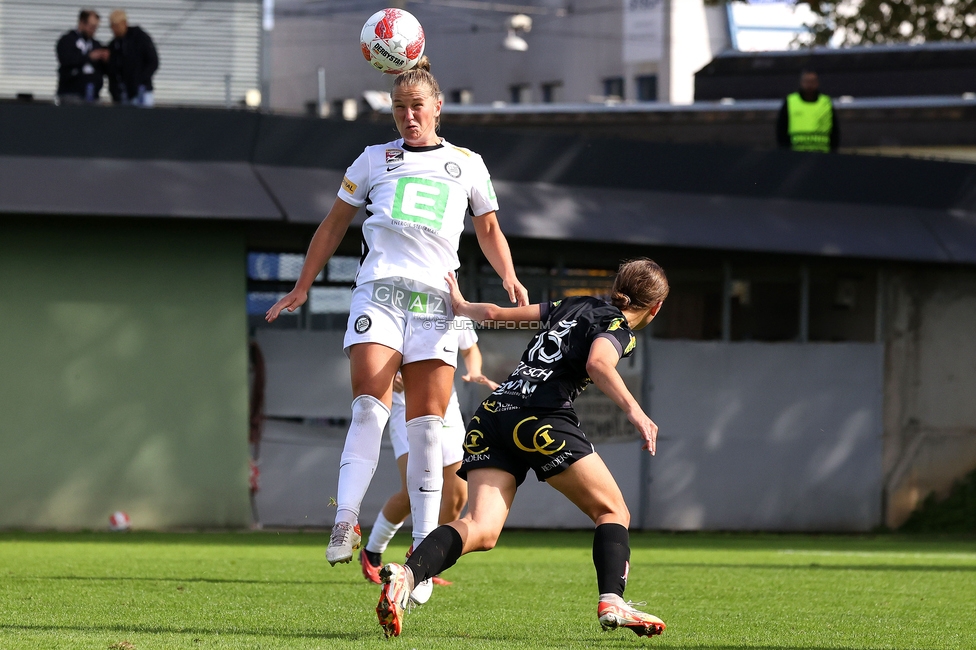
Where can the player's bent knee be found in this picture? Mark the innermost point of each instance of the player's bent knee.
(487, 541)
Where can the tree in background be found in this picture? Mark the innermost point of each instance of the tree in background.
(875, 22)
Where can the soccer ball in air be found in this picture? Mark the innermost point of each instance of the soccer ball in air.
(392, 41)
(119, 521)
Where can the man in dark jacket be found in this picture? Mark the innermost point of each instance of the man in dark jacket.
(132, 63)
(81, 61)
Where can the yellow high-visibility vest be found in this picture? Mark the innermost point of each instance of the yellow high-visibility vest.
(810, 123)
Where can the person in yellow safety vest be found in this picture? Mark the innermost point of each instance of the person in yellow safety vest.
(806, 120)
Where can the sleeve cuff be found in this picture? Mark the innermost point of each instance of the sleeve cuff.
(612, 339)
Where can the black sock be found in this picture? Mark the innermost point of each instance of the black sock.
(375, 559)
(437, 553)
(611, 557)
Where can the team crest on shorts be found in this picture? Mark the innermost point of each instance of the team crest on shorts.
(362, 324)
(453, 169)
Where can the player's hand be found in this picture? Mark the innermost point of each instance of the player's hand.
(398, 383)
(480, 379)
(292, 301)
(646, 428)
(517, 293)
(457, 300)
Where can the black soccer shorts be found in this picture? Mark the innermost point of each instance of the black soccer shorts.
(518, 439)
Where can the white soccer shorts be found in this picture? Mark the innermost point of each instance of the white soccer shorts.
(405, 315)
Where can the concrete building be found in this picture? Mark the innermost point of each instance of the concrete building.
(812, 369)
(594, 50)
(209, 52)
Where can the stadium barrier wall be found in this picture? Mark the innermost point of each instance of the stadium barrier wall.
(754, 436)
(766, 436)
(125, 374)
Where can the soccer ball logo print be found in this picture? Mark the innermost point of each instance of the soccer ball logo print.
(392, 41)
(362, 324)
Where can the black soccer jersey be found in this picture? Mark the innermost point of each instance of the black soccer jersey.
(552, 372)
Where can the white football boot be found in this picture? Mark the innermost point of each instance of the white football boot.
(616, 614)
(344, 540)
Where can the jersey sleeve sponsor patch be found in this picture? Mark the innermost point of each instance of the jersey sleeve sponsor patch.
(355, 182)
(617, 329)
(481, 193)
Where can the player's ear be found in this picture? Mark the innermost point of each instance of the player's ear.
(655, 308)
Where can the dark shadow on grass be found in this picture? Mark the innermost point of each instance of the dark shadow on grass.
(160, 629)
(817, 567)
(343, 580)
(618, 639)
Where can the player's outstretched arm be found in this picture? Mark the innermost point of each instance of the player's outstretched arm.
(324, 243)
(486, 312)
(495, 247)
(472, 363)
(601, 365)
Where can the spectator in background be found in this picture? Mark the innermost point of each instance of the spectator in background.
(806, 121)
(81, 61)
(132, 64)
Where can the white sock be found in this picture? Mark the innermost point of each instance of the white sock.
(360, 455)
(425, 473)
(381, 534)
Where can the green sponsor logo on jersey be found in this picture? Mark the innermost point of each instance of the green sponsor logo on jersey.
(491, 190)
(418, 303)
(420, 201)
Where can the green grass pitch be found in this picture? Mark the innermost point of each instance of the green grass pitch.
(535, 590)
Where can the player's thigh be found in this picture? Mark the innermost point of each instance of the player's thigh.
(427, 387)
(401, 462)
(589, 484)
(398, 427)
(454, 494)
(490, 495)
(372, 367)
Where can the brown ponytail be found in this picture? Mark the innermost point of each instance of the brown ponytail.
(639, 283)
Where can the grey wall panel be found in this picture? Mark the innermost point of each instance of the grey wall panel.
(300, 471)
(766, 436)
(550, 211)
(307, 374)
(305, 194)
(132, 188)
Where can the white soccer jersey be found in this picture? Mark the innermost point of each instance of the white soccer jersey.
(416, 199)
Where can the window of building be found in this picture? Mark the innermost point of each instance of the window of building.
(693, 309)
(843, 303)
(613, 88)
(765, 303)
(552, 92)
(461, 96)
(646, 88)
(520, 93)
